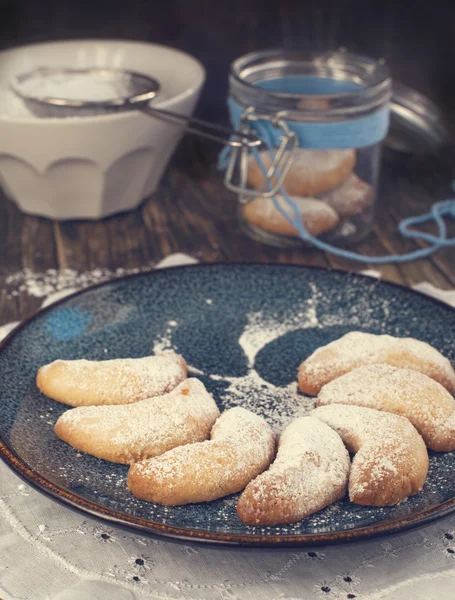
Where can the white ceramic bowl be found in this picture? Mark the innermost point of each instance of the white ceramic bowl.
(91, 167)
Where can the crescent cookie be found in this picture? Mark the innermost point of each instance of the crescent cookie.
(242, 445)
(310, 472)
(118, 381)
(317, 217)
(351, 197)
(357, 348)
(312, 172)
(130, 432)
(391, 460)
(424, 401)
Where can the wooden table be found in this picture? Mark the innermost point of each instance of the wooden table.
(191, 212)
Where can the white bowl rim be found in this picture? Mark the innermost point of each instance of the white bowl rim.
(57, 121)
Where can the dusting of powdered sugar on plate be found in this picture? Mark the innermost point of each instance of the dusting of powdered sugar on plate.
(164, 341)
(43, 284)
(262, 329)
(231, 345)
(277, 404)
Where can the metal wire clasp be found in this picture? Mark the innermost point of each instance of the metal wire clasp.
(238, 163)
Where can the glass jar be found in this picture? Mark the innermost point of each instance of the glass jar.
(338, 106)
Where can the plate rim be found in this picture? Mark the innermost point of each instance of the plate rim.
(73, 501)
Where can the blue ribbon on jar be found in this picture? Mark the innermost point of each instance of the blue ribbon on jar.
(345, 133)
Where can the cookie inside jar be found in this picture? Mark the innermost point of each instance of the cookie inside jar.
(337, 105)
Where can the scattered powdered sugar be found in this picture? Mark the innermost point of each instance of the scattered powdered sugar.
(194, 370)
(164, 341)
(278, 405)
(261, 329)
(43, 284)
(156, 374)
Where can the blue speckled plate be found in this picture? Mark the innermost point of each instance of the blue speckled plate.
(243, 329)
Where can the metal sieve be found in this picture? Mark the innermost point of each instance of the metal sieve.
(129, 90)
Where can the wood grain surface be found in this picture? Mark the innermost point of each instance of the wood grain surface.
(191, 211)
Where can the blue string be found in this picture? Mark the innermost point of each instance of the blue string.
(438, 211)
(353, 132)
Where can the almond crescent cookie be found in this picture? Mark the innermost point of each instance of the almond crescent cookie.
(130, 432)
(391, 460)
(351, 197)
(312, 172)
(117, 381)
(242, 445)
(310, 472)
(424, 401)
(317, 216)
(357, 348)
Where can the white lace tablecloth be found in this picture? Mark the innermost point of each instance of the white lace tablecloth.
(49, 552)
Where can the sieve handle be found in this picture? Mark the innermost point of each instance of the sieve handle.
(212, 131)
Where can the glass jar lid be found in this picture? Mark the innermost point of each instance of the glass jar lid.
(416, 123)
(310, 86)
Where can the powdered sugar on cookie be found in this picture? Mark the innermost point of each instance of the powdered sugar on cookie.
(358, 348)
(248, 438)
(391, 461)
(241, 446)
(425, 402)
(147, 428)
(117, 381)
